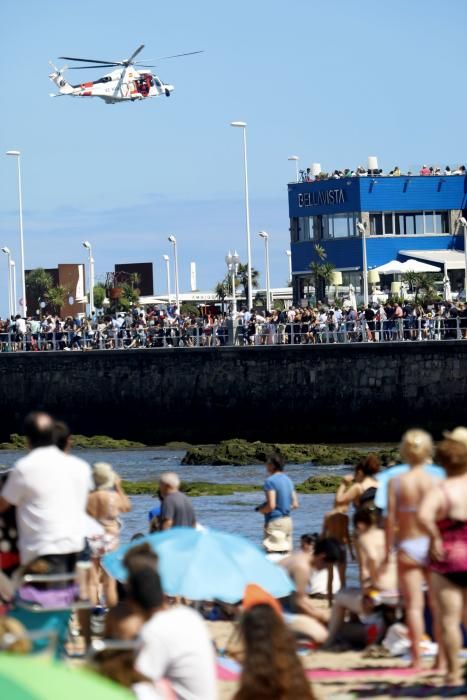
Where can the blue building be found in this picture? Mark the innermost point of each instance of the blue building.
(404, 217)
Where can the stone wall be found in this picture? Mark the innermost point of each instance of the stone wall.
(357, 392)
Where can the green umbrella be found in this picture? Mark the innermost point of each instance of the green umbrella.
(28, 678)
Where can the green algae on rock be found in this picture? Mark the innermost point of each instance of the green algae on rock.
(314, 484)
(241, 452)
(191, 488)
(98, 442)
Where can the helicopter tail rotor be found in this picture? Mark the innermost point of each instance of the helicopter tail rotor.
(57, 77)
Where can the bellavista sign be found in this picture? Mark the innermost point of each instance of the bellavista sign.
(320, 198)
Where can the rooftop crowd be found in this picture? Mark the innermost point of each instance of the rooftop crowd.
(409, 538)
(425, 171)
(158, 328)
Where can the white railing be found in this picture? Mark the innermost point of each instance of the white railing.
(414, 329)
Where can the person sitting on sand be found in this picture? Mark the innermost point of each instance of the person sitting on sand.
(305, 616)
(320, 585)
(403, 531)
(271, 667)
(377, 584)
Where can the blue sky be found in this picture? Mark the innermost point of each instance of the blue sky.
(332, 82)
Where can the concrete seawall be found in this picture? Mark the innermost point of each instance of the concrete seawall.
(356, 392)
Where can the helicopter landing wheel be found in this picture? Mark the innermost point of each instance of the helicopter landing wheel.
(167, 93)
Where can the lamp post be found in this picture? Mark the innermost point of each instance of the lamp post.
(243, 125)
(173, 240)
(265, 237)
(296, 159)
(88, 247)
(289, 256)
(167, 269)
(13, 288)
(7, 252)
(463, 223)
(361, 229)
(232, 261)
(17, 154)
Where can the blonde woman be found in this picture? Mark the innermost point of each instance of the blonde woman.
(105, 504)
(404, 532)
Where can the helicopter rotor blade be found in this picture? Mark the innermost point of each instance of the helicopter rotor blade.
(91, 60)
(143, 65)
(177, 55)
(105, 65)
(133, 55)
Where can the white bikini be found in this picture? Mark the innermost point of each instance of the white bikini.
(416, 548)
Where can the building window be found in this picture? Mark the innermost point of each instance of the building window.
(409, 223)
(339, 225)
(294, 229)
(305, 228)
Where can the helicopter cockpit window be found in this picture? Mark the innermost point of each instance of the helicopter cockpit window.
(158, 82)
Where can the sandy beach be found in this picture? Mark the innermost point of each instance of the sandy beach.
(372, 678)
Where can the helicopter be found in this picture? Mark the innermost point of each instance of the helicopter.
(129, 82)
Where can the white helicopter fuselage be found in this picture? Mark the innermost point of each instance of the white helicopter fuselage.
(120, 85)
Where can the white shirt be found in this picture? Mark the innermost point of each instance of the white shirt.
(50, 490)
(21, 325)
(177, 646)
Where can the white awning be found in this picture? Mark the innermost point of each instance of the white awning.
(452, 259)
(413, 265)
(393, 267)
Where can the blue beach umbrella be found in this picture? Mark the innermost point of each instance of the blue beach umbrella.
(206, 565)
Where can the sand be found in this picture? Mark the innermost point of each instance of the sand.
(425, 684)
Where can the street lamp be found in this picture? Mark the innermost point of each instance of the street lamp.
(17, 154)
(173, 240)
(361, 229)
(13, 288)
(7, 252)
(296, 159)
(88, 247)
(265, 237)
(289, 256)
(243, 125)
(463, 223)
(167, 269)
(232, 261)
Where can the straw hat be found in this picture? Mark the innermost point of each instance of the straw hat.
(276, 541)
(103, 475)
(459, 434)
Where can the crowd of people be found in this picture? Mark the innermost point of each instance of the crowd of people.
(409, 539)
(361, 171)
(162, 328)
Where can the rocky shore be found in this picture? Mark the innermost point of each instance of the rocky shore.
(241, 452)
(314, 484)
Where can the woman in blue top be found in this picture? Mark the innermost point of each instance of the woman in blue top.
(281, 499)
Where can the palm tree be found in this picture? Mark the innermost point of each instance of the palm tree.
(322, 272)
(56, 298)
(242, 276)
(421, 281)
(221, 290)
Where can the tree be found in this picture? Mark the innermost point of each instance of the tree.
(38, 284)
(322, 271)
(56, 298)
(221, 290)
(421, 281)
(99, 295)
(242, 276)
